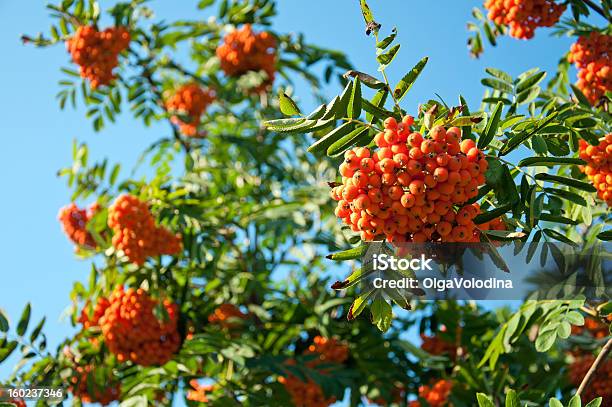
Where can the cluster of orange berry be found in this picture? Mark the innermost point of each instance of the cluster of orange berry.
(97, 52)
(310, 394)
(435, 395)
(74, 222)
(398, 394)
(412, 189)
(601, 384)
(135, 231)
(592, 56)
(133, 332)
(595, 328)
(245, 50)
(84, 387)
(198, 391)
(524, 16)
(306, 394)
(189, 102)
(434, 345)
(599, 166)
(330, 350)
(227, 316)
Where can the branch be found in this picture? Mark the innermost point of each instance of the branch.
(74, 20)
(605, 351)
(154, 88)
(197, 78)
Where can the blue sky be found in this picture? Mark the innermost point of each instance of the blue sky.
(37, 262)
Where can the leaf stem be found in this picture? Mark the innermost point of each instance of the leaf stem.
(384, 74)
(368, 125)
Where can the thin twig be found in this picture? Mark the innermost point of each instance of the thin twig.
(176, 67)
(154, 88)
(605, 351)
(69, 16)
(148, 75)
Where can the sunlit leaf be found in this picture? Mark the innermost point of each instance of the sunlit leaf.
(22, 325)
(287, 106)
(409, 79)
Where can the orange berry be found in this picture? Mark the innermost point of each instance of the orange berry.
(473, 154)
(438, 133)
(460, 233)
(360, 179)
(444, 228)
(401, 159)
(408, 120)
(441, 174)
(417, 187)
(415, 139)
(467, 145)
(427, 147)
(404, 178)
(408, 200)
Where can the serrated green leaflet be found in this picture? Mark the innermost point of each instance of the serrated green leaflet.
(324, 142)
(388, 57)
(490, 215)
(346, 142)
(570, 182)
(409, 79)
(539, 161)
(350, 254)
(492, 126)
(287, 106)
(354, 105)
(530, 81)
(519, 139)
(384, 43)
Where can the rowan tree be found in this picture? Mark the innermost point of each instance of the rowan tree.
(210, 276)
